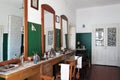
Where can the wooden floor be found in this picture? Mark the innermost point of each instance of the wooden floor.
(100, 73)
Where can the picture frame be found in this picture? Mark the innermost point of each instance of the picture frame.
(57, 19)
(34, 4)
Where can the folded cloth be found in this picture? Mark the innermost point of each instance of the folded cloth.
(65, 71)
(79, 61)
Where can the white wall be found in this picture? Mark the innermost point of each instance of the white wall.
(96, 15)
(119, 47)
(60, 7)
(104, 15)
(72, 37)
(5, 11)
(1, 42)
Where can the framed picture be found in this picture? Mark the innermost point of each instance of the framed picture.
(57, 19)
(34, 4)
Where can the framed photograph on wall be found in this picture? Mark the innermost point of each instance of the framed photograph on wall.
(34, 4)
(57, 19)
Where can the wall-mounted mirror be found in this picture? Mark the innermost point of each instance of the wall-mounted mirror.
(48, 27)
(64, 31)
(11, 29)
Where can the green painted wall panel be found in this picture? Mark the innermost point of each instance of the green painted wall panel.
(86, 40)
(58, 46)
(5, 46)
(34, 39)
(66, 40)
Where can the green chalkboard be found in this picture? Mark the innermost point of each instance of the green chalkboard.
(34, 39)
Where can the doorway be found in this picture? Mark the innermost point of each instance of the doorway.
(85, 39)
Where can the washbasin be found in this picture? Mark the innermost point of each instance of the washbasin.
(8, 67)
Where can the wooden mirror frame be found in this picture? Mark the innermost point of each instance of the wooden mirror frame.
(25, 29)
(51, 10)
(61, 24)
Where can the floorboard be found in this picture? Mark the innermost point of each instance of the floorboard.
(97, 72)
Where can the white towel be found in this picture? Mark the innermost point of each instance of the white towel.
(76, 57)
(65, 71)
(79, 61)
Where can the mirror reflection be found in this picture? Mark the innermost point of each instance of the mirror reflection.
(11, 29)
(64, 33)
(48, 30)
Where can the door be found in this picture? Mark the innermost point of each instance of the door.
(85, 40)
(105, 45)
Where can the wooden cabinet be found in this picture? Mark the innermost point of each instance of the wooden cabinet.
(47, 68)
(31, 71)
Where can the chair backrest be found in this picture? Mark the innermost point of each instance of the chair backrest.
(44, 77)
(72, 67)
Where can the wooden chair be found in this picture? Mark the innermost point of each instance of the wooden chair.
(44, 77)
(72, 68)
(73, 64)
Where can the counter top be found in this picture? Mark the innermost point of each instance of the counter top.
(28, 69)
(27, 64)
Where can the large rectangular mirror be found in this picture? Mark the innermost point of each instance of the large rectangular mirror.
(64, 31)
(48, 31)
(48, 28)
(11, 29)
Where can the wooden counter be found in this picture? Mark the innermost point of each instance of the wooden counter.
(32, 71)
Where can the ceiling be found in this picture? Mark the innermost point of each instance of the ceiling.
(76, 4)
(14, 3)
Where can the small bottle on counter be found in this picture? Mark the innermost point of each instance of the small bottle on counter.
(22, 59)
(35, 59)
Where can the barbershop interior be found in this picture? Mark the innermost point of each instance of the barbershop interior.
(60, 40)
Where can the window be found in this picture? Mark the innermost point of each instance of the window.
(111, 37)
(99, 37)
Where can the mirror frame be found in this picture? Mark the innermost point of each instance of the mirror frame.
(51, 10)
(25, 29)
(61, 25)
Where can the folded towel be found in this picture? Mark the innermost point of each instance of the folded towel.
(79, 61)
(65, 71)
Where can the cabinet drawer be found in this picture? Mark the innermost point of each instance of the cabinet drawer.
(47, 67)
(30, 71)
(49, 73)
